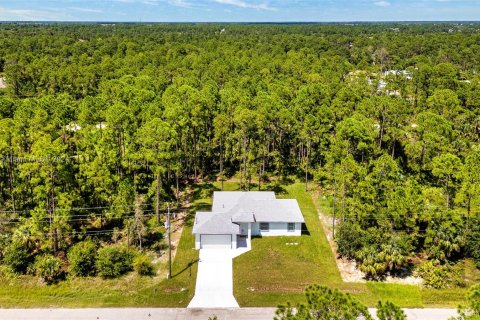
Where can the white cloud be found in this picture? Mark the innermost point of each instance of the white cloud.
(176, 3)
(180, 3)
(87, 10)
(29, 14)
(382, 3)
(244, 4)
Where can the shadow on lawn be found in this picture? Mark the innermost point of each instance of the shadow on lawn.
(204, 190)
(198, 206)
(188, 267)
(278, 189)
(305, 231)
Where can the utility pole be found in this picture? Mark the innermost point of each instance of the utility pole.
(169, 243)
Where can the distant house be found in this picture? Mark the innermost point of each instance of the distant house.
(237, 216)
(73, 127)
(407, 74)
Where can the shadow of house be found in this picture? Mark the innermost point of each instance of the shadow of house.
(305, 231)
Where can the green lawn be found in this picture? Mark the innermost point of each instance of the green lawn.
(274, 273)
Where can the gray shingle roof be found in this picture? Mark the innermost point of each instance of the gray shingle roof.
(226, 200)
(214, 223)
(278, 210)
(243, 217)
(232, 207)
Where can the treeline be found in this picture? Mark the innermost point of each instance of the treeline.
(102, 124)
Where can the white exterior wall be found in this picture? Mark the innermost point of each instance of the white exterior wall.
(249, 238)
(197, 241)
(276, 229)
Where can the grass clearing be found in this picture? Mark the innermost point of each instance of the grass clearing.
(405, 295)
(273, 273)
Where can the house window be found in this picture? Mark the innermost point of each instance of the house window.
(264, 226)
(291, 227)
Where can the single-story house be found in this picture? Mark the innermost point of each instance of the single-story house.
(236, 216)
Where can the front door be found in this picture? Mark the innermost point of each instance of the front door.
(244, 229)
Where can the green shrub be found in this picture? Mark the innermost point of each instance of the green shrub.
(143, 265)
(152, 239)
(350, 239)
(325, 304)
(371, 262)
(48, 267)
(440, 276)
(379, 260)
(473, 241)
(470, 311)
(82, 258)
(17, 256)
(6, 272)
(113, 262)
(389, 311)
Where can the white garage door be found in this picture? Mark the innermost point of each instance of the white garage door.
(214, 241)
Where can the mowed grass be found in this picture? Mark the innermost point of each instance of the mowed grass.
(274, 273)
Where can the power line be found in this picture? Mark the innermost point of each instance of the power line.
(64, 234)
(76, 208)
(73, 219)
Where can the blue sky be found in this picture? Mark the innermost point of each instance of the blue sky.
(238, 10)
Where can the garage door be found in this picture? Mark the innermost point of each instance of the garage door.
(214, 241)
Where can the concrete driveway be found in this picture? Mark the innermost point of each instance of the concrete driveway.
(214, 288)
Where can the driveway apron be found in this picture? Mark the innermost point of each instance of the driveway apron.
(214, 288)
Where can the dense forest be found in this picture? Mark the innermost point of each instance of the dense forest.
(102, 124)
